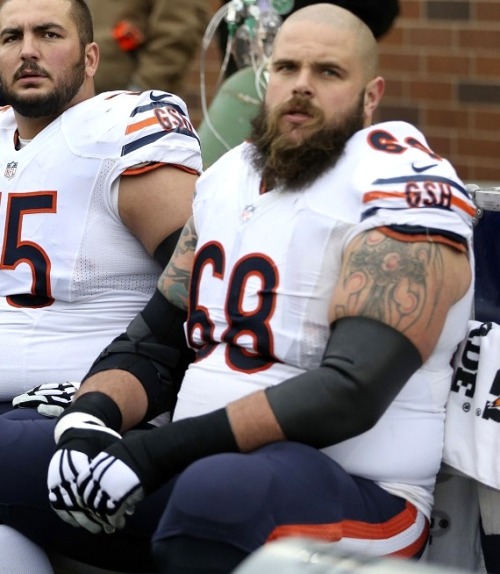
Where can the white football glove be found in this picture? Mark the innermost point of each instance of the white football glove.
(79, 438)
(109, 488)
(49, 399)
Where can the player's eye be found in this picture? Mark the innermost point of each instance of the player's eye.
(51, 35)
(284, 67)
(9, 38)
(331, 72)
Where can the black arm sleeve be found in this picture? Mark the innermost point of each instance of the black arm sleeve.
(365, 365)
(166, 248)
(153, 349)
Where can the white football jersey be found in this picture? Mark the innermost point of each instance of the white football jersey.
(265, 269)
(71, 275)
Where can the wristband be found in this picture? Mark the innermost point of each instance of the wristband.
(157, 455)
(100, 407)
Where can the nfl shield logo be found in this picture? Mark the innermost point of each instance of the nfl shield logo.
(10, 170)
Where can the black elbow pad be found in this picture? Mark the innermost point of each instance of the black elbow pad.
(365, 365)
(153, 349)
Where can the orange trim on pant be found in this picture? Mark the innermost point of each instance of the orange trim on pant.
(362, 530)
(416, 547)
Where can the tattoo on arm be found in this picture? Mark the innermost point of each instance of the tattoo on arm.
(393, 281)
(174, 281)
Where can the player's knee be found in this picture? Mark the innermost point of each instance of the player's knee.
(230, 486)
(227, 495)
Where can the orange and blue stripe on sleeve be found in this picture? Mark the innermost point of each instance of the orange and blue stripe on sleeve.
(419, 191)
(155, 120)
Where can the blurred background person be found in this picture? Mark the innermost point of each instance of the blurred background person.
(147, 44)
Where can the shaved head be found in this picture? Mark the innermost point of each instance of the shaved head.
(339, 19)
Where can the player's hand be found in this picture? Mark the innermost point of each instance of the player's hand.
(110, 488)
(49, 399)
(77, 446)
(120, 476)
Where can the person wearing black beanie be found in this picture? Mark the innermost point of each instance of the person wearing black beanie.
(378, 15)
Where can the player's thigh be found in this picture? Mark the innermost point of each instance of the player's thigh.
(26, 446)
(246, 499)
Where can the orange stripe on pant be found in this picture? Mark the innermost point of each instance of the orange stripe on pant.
(355, 529)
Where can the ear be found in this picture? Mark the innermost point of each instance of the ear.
(373, 94)
(91, 59)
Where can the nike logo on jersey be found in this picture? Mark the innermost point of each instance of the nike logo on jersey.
(421, 168)
(160, 97)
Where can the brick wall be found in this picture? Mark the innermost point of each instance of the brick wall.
(442, 65)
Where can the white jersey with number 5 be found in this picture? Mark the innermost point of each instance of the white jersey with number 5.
(265, 268)
(71, 275)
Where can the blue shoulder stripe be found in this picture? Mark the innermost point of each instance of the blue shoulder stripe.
(129, 148)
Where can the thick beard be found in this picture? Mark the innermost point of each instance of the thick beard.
(51, 104)
(295, 165)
